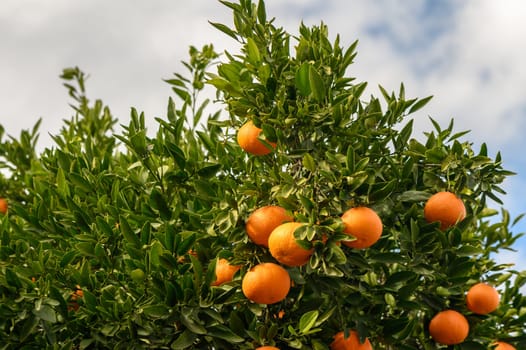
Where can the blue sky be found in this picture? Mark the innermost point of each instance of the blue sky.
(470, 55)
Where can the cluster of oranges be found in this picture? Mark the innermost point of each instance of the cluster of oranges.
(272, 227)
(450, 327)
(269, 283)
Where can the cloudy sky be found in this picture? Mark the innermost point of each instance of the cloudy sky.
(471, 55)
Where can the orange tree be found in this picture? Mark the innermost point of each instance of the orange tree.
(111, 240)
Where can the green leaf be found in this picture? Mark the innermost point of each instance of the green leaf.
(307, 321)
(350, 159)
(157, 201)
(385, 94)
(308, 162)
(86, 248)
(90, 300)
(62, 184)
(183, 94)
(156, 251)
(316, 84)
(176, 153)
(12, 278)
(387, 258)
(302, 79)
(67, 258)
(186, 244)
(110, 329)
(384, 191)
(414, 196)
(167, 261)
(156, 311)
(80, 182)
(187, 319)
(325, 316)
(85, 343)
(253, 52)
(407, 330)
(204, 189)
(185, 340)
(209, 170)
(262, 13)
(224, 29)
(307, 204)
(419, 104)
(28, 326)
(169, 238)
(104, 227)
(468, 250)
(225, 333)
(207, 141)
(46, 313)
(127, 232)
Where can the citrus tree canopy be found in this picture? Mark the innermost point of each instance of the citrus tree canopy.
(323, 224)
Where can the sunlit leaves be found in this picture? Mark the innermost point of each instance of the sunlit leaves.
(173, 196)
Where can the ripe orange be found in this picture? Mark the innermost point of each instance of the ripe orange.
(482, 299)
(350, 343)
(73, 306)
(449, 327)
(446, 208)
(263, 221)
(224, 272)
(77, 294)
(3, 206)
(280, 314)
(266, 283)
(363, 224)
(283, 247)
(248, 139)
(500, 345)
(267, 348)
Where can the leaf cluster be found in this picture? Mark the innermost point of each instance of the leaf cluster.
(111, 238)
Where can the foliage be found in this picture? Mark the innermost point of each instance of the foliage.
(136, 222)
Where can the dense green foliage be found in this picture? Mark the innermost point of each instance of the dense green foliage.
(136, 221)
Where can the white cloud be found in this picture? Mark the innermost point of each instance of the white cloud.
(127, 49)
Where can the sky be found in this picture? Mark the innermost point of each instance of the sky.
(469, 54)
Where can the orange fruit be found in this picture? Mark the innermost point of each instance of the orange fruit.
(283, 247)
(224, 272)
(482, 299)
(363, 224)
(280, 314)
(445, 208)
(350, 343)
(266, 283)
(77, 294)
(3, 206)
(267, 348)
(73, 306)
(248, 139)
(500, 345)
(263, 221)
(449, 327)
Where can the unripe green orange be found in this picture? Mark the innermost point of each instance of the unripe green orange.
(137, 275)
